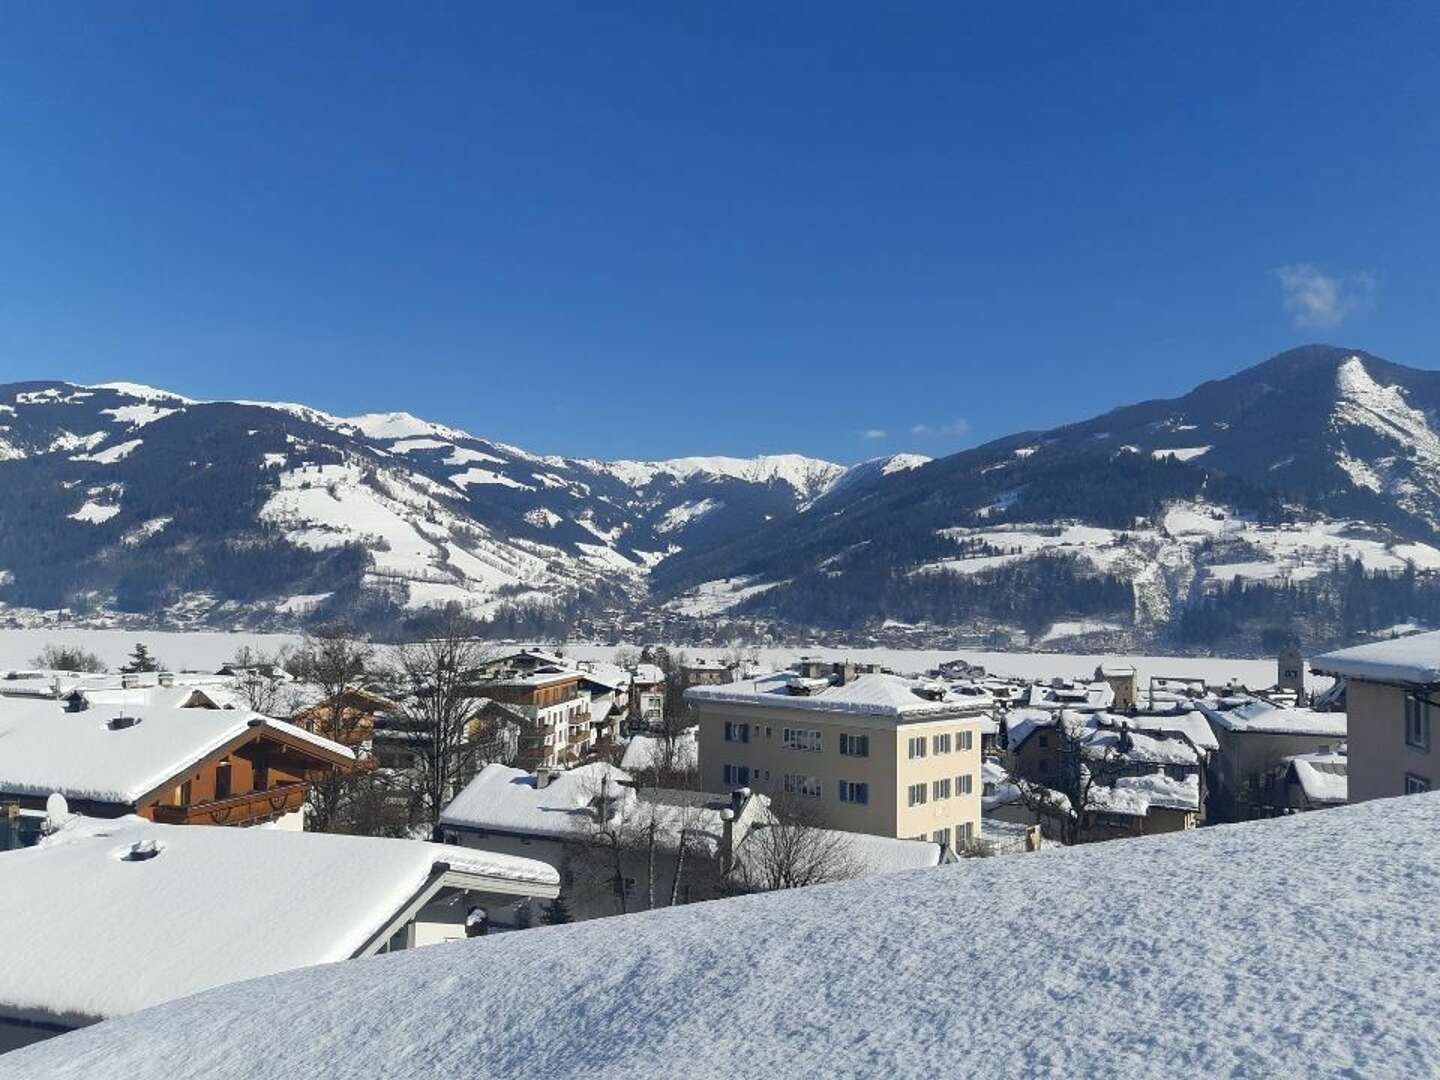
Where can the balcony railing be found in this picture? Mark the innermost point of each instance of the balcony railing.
(237, 809)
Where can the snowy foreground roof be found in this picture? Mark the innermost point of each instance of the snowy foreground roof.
(89, 933)
(1295, 946)
(1414, 659)
(866, 695)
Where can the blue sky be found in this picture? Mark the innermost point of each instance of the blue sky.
(664, 229)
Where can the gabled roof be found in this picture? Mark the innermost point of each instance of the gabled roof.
(1413, 660)
(44, 748)
(1167, 954)
(103, 935)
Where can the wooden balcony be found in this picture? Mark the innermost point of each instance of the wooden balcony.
(244, 809)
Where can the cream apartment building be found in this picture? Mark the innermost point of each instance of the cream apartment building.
(873, 754)
(1392, 696)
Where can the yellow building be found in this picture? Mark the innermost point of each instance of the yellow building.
(871, 753)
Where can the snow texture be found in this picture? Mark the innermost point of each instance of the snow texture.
(1299, 946)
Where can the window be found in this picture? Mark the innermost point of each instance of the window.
(965, 834)
(1414, 785)
(917, 747)
(808, 786)
(964, 785)
(1417, 722)
(1044, 740)
(917, 794)
(941, 743)
(222, 780)
(965, 740)
(941, 836)
(737, 775)
(803, 739)
(854, 792)
(940, 789)
(736, 732)
(855, 745)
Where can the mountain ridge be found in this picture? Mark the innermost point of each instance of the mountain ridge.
(129, 501)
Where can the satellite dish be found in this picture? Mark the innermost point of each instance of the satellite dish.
(56, 811)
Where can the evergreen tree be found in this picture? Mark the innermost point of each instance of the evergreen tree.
(141, 660)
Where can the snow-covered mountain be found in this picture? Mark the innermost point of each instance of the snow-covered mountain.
(1303, 492)
(126, 498)
(1236, 509)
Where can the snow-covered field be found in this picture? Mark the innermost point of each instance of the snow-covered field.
(1299, 946)
(198, 651)
(205, 651)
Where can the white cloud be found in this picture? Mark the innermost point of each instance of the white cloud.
(874, 433)
(1315, 299)
(955, 427)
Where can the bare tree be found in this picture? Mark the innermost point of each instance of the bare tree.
(333, 661)
(788, 848)
(602, 838)
(260, 681)
(1083, 764)
(434, 684)
(68, 658)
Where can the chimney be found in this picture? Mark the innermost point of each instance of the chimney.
(166, 678)
(129, 680)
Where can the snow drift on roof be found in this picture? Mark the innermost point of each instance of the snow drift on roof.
(1414, 659)
(1181, 954)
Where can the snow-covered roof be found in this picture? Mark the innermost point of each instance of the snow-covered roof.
(1260, 716)
(1324, 778)
(648, 674)
(1136, 795)
(502, 799)
(1149, 749)
(1021, 723)
(1410, 660)
(1171, 953)
(92, 934)
(646, 751)
(1190, 723)
(868, 695)
(44, 748)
